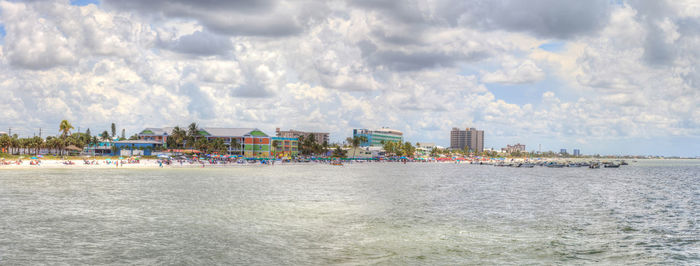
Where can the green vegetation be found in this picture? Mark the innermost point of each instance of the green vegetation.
(309, 146)
(193, 138)
(355, 142)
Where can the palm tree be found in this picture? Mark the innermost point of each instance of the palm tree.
(15, 144)
(202, 144)
(5, 142)
(355, 142)
(192, 134)
(235, 144)
(105, 135)
(178, 135)
(275, 144)
(65, 128)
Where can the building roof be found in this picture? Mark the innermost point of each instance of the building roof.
(299, 131)
(157, 131)
(229, 132)
(137, 142)
(207, 131)
(388, 130)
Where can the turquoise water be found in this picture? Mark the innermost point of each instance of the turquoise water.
(356, 214)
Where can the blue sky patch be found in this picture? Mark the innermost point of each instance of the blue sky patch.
(84, 2)
(553, 46)
(2, 34)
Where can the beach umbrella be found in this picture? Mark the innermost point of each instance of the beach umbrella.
(162, 156)
(121, 158)
(108, 159)
(33, 158)
(40, 156)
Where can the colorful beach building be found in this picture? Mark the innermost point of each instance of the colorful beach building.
(285, 147)
(249, 142)
(136, 147)
(156, 134)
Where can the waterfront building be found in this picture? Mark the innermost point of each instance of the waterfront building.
(156, 134)
(320, 137)
(365, 152)
(250, 142)
(471, 138)
(562, 151)
(425, 145)
(513, 148)
(102, 148)
(378, 137)
(424, 148)
(136, 147)
(577, 152)
(284, 147)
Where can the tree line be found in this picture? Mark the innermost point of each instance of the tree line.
(189, 138)
(57, 144)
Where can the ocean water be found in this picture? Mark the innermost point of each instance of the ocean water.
(376, 213)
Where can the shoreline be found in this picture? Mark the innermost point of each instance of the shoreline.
(153, 164)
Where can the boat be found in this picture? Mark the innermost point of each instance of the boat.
(555, 165)
(526, 165)
(611, 165)
(594, 166)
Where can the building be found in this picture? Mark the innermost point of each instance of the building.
(425, 145)
(319, 137)
(136, 147)
(249, 142)
(2, 133)
(577, 152)
(101, 148)
(284, 147)
(471, 138)
(562, 151)
(514, 148)
(424, 148)
(365, 152)
(378, 137)
(156, 134)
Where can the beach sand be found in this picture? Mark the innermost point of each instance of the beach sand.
(102, 164)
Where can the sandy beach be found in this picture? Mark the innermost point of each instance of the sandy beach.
(103, 164)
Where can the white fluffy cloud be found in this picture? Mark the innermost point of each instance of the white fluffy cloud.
(625, 71)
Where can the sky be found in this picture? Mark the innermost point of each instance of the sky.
(605, 77)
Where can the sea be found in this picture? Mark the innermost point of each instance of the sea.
(356, 214)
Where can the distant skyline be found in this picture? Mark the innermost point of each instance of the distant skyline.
(607, 77)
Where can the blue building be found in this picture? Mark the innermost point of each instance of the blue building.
(378, 137)
(577, 152)
(102, 148)
(136, 147)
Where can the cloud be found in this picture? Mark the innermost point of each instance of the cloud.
(200, 43)
(627, 72)
(543, 18)
(241, 17)
(45, 35)
(514, 73)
